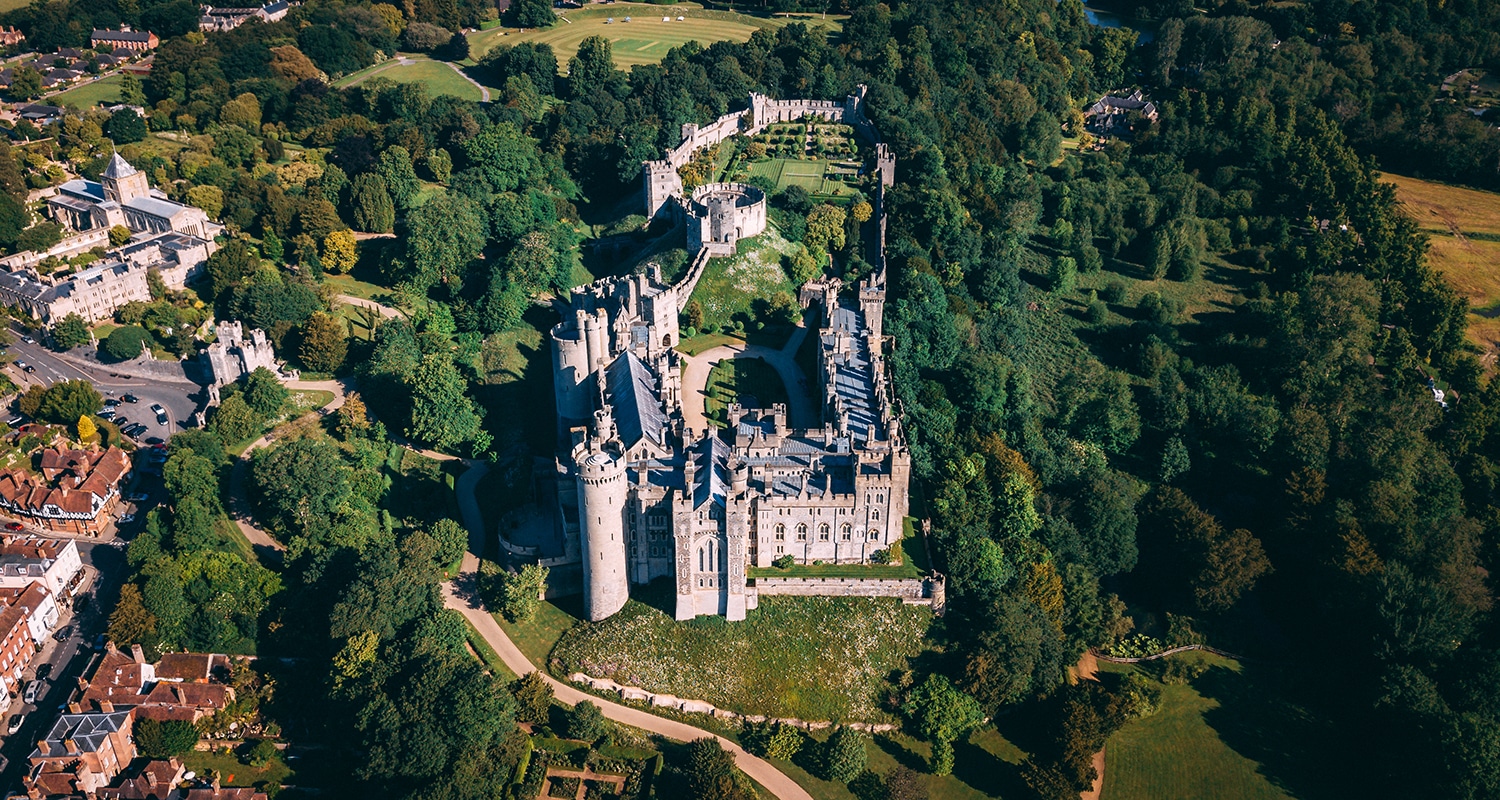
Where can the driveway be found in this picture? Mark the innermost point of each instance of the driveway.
(800, 409)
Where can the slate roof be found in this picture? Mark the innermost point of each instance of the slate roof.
(122, 36)
(637, 407)
(711, 471)
(88, 731)
(118, 168)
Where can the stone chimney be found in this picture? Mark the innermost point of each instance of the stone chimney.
(151, 778)
(71, 746)
(109, 647)
(106, 706)
(177, 693)
(138, 654)
(75, 708)
(41, 744)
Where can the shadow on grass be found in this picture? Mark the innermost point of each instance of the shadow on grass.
(1262, 716)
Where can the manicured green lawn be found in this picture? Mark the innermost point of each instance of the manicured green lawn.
(816, 658)
(985, 766)
(348, 284)
(437, 76)
(537, 637)
(705, 341)
(646, 39)
(233, 539)
(232, 772)
(810, 174)
(748, 381)
(104, 90)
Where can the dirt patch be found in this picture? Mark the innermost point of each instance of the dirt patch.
(1098, 787)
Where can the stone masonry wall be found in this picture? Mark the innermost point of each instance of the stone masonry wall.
(911, 588)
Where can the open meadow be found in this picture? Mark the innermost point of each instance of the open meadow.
(1464, 228)
(646, 39)
(104, 90)
(437, 76)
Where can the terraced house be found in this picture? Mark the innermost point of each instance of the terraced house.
(76, 493)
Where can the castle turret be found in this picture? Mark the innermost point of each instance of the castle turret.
(602, 496)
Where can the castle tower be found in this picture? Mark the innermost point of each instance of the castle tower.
(122, 182)
(662, 183)
(602, 498)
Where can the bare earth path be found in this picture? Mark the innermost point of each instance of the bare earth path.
(695, 371)
(359, 302)
(459, 595)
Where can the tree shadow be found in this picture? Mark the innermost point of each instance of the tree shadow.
(1262, 714)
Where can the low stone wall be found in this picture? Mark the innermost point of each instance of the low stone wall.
(913, 588)
(699, 707)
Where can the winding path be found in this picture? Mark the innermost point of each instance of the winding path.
(484, 91)
(460, 595)
(695, 369)
(384, 311)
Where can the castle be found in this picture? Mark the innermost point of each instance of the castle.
(647, 495)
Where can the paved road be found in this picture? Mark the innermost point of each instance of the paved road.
(801, 411)
(178, 398)
(459, 594)
(68, 658)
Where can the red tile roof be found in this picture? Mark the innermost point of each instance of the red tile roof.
(198, 667)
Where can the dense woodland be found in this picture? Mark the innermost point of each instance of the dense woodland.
(1102, 467)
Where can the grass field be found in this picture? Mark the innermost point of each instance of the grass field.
(731, 285)
(1232, 732)
(807, 173)
(233, 772)
(1464, 227)
(536, 638)
(646, 39)
(985, 767)
(816, 658)
(749, 381)
(436, 75)
(89, 94)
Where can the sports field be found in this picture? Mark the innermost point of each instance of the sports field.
(436, 75)
(1464, 227)
(90, 94)
(651, 32)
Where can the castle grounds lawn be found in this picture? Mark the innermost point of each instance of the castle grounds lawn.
(704, 342)
(537, 637)
(646, 39)
(814, 658)
(731, 285)
(735, 380)
(986, 765)
(486, 654)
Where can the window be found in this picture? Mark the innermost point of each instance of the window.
(848, 536)
(780, 549)
(846, 529)
(874, 534)
(874, 513)
(780, 533)
(801, 533)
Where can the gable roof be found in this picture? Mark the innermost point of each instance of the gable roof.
(87, 731)
(632, 391)
(118, 168)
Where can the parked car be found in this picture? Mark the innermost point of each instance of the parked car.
(107, 413)
(126, 519)
(155, 441)
(63, 633)
(44, 670)
(136, 430)
(130, 398)
(15, 723)
(122, 422)
(15, 420)
(30, 369)
(21, 363)
(111, 402)
(28, 340)
(14, 526)
(31, 692)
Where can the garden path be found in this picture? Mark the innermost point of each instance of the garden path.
(460, 595)
(383, 310)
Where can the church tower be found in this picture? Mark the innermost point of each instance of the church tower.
(122, 182)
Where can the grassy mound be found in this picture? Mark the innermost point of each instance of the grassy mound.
(814, 658)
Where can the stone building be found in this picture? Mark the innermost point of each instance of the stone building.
(1114, 115)
(227, 19)
(92, 293)
(645, 496)
(122, 196)
(234, 354)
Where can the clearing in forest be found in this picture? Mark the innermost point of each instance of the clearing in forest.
(1464, 228)
(646, 38)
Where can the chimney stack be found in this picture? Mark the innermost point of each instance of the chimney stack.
(106, 706)
(71, 746)
(138, 654)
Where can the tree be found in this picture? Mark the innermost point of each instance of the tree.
(118, 235)
(126, 127)
(861, 211)
(395, 169)
(370, 205)
(353, 417)
(585, 722)
(521, 592)
(64, 402)
(25, 83)
(452, 539)
(1174, 459)
(165, 739)
(533, 697)
(339, 252)
(532, 14)
(422, 37)
(591, 71)
(325, 343)
(457, 48)
(86, 429)
(234, 421)
(70, 332)
(1194, 554)
(1064, 274)
(439, 164)
(942, 714)
(264, 393)
(825, 229)
(844, 756)
(125, 343)
(263, 753)
(442, 415)
(710, 772)
(130, 622)
(443, 236)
